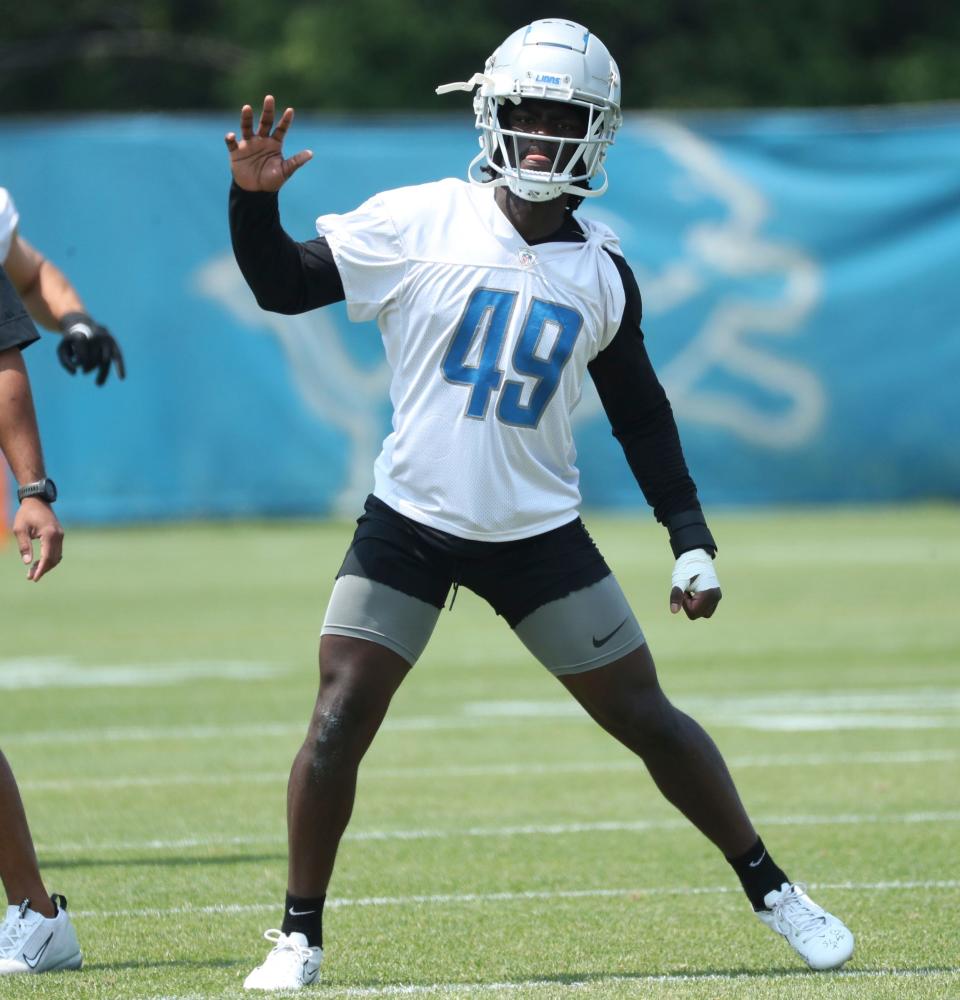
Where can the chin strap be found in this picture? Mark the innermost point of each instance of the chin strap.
(500, 180)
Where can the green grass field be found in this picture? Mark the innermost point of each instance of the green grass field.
(154, 688)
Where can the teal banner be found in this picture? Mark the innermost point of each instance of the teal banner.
(801, 304)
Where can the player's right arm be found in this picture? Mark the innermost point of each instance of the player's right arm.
(284, 275)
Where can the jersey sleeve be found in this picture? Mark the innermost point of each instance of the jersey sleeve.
(9, 218)
(16, 327)
(369, 255)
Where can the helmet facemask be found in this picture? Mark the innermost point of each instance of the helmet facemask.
(574, 160)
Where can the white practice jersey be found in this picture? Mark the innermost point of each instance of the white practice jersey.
(8, 223)
(488, 340)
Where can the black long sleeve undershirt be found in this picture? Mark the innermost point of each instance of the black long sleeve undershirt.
(642, 421)
(284, 275)
(291, 277)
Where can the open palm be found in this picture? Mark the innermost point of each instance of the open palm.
(256, 161)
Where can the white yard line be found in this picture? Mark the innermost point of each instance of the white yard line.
(923, 708)
(466, 898)
(541, 830)
(240, 779)
(251, 730)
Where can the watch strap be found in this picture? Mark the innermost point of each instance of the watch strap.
(44, 488)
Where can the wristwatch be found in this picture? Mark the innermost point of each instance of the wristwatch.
(42, 489)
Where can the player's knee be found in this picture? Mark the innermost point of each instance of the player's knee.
(349, 710)
(644, 722)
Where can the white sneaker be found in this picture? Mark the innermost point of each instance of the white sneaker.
(818, 937)
(291, 964)
(31, 942)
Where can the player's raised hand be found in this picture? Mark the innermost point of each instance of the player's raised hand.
(256, 160)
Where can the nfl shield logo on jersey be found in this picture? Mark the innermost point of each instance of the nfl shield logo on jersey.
(527, 257)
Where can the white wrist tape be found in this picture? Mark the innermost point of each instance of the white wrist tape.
(694, 572)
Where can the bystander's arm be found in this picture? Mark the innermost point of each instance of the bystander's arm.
(20, 443)
(45, 289)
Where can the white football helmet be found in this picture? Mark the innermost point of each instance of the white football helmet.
(553, 60)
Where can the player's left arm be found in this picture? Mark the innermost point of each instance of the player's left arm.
(55, 304)
(642, 421)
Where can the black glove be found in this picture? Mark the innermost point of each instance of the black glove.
(87, 345)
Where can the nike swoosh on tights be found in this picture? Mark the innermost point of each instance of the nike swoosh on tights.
(600, 642)
(753, 864)
(32, 962)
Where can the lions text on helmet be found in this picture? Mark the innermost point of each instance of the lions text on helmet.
(551, 60)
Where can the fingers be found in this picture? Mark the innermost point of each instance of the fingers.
(24, 544)
(263, 128)
(246, 121)
(285, 120)
(118, 361)
(51, 552)
(65, 354)
(676, 600)
(266, 117)
(111, 355)
(701, 605)
(295, 162)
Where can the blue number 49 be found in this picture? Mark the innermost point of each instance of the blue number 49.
(473, 357)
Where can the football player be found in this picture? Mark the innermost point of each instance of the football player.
(36, 934)
(494, 300)
(54, 303)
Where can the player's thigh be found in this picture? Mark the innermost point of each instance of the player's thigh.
(390, 588)
(588, 629)
(369, 611)
(625, 697)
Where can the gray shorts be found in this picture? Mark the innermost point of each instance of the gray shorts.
(581, 631)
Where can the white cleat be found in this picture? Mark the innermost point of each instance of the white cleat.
(818, 937)
(33, 943)
(292, 963)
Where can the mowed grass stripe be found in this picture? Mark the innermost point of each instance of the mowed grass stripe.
(525, 830)
(579, 984)
(464, 898)
(904, 757)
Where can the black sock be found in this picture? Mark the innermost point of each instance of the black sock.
(758, 874)
(304, 915)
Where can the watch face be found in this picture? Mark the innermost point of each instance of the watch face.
(49, 490)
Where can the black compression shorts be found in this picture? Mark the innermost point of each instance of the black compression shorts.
(515, 578)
